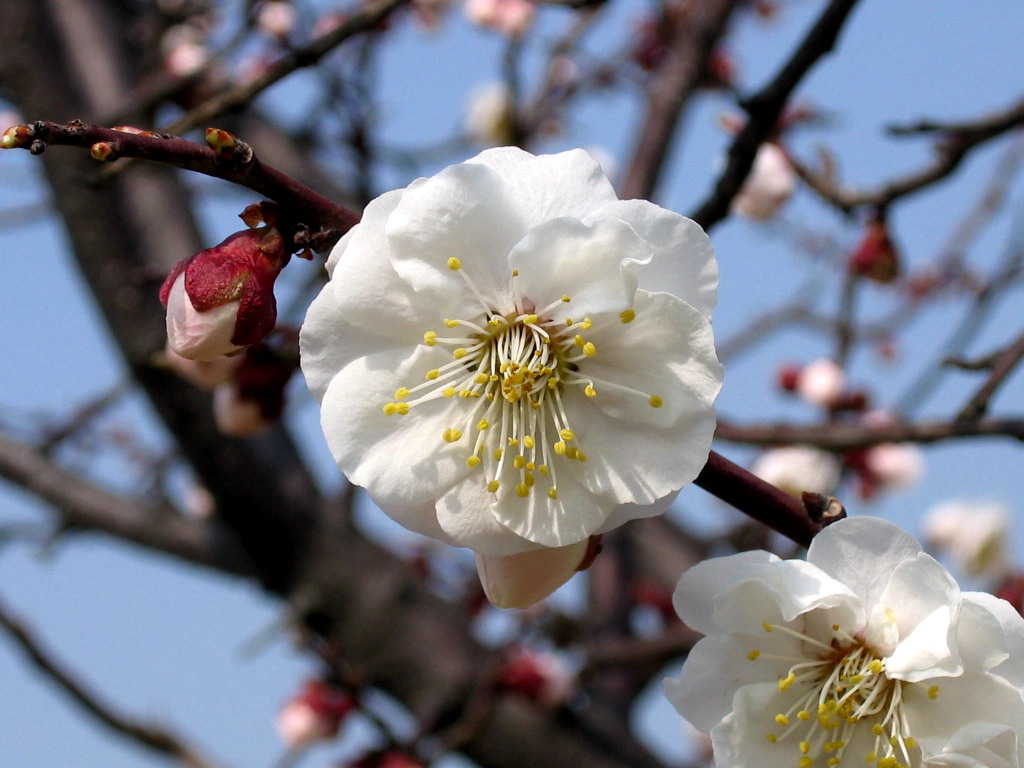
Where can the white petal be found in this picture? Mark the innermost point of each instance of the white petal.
(421, 519)
(519, 581)
(547, 187)
(400, 459)
(668, 350)
(739, 740)
(982, 645)
(466, 514)
(465, 213)
(590, 264)
(199, 335)
(623, 513)
(921, 601)
(576, 514)
(862, 552)
(719, 665)
(740, 592)
(365, 307)
(980, 745)
(684, 261)
(961, 701)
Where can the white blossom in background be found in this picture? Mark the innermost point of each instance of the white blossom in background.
(798, 468)
(973, 533)
(769, 186)
(511, 359)
(868, 653)
(205, 374)
(490, 114)
(821, 382)
(276, 18)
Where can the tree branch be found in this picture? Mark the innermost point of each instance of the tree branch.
(154, 737)
(82, 505)
(836, 436)
(232, 161)
(1003, 364)
(764, 108)
(956, 142)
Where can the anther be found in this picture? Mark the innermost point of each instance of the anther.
(451, 435)
(655, 401)
(627, 315)
(454, 264)
(401, 393)
(430, 338)
(589, 349)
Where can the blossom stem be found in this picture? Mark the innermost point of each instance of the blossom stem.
(760, 500)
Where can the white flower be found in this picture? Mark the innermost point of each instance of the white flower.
(821, 382)
(866, 654)
(798, 468)
(522, 579)
(510, 17)
(972, 532)
(770, 184)
(490, 114)
(510, 358)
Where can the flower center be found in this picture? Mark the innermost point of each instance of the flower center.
(841, 694)
(513, 370)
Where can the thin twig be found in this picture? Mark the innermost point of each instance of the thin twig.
(154, 737)
(760, 500)
(764, 108)
(1003, 365)
(326, 220)
(957, 141)
(835, 436)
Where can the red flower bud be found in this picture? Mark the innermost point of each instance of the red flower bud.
(876, 258)
(540, 677)
(222, 299)
(314, 713)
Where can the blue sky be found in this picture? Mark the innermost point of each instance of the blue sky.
(161, 639)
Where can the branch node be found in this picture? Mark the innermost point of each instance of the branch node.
(823, 509)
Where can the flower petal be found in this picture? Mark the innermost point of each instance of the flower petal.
(400, 459)
(862, 552)
(718, 666)
(666, 351)
(983, 645)
(684, 262)
(465, 514)
(979, 745)
(519, 581)
(544, 187)
(590, 264)
(463, 213)
(623, 513)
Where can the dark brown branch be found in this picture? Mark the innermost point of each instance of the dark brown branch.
(760, 500)
(82, 505)
(154, 737)
(844, 437)
(1003, 364)
(326, 220)
(956, 142)
(765, 107)
(694, 29)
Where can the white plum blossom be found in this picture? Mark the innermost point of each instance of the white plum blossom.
(798, 468)
(509, 358)
(770, 184)
(868, 653)
(894, 465)
(972, 532)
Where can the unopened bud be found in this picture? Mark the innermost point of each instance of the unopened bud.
(539, 676)
(16, 137)
(315, 713)
(227, 145)
(876, 257)
(105, 151)
(222, 299)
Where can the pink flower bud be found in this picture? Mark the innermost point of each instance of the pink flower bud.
(894, 465)
(770, 184)
(276, 18)
(222, 299)
(540, 677)
(520, 580)
(821, 383)
(315, 713)
(510, 17)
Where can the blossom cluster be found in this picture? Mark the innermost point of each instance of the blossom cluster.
(867, 653)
